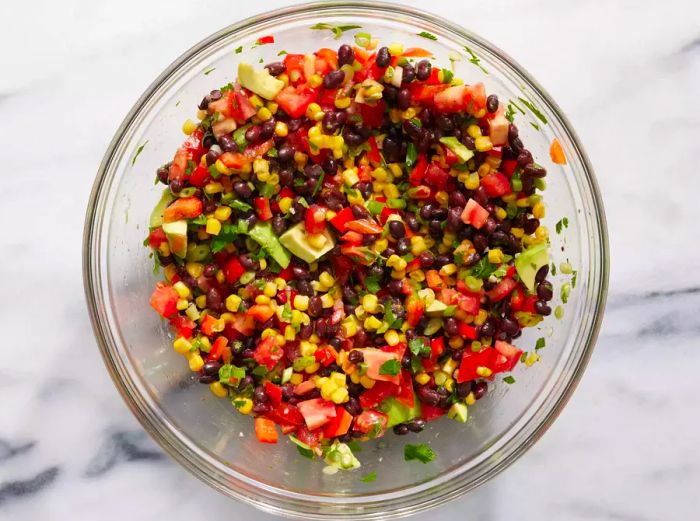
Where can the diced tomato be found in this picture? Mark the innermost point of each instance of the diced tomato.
(405, 394)
(164, 300)
(352, 238)
(156, 237)
(326, 98)
(364, 226)
(474, 214)
(295, 100)
(209, 325)
(259, 150)
(450, 157)
(529, 304)
(436, 176)
(294, 62)
(183, 325)
(469, 302)
(502, 289)
(182, 208)
(471, 361)
(286, 274)
(233, 270)
(413, 265)
(315, 219)
(437, 347)
(431, 412)
(373, 155)
(338, 425)
(234, 160)
(511, 352)
(342, 218)
(418, 173)
(414, 310)
(311, 437)
(265, 40)
(517, 299)
(416, 52)
(372, 115)
(286, 414)
(377, 394)
(451, 99)
(467, 331)
(242, 109)
(244, 324)
(199, 176)
(496, 184)
(375, 358)
(316, 412)
(329, 56)
(265, 430)
(262, 208)
(371, 422)
(508, 166)
(268, 353)
(260, 312)
(274, 393)
(325, 355)
(556, 153)
(475, 98)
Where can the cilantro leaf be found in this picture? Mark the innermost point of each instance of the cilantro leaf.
(483, 269)
(337, 30)
(533, 109)
(138, 152)
(475, 60)
(368, 478)
(509, 380)
(540, 343)
(421, 452)
(372, 284)
(200, 219)
(574, 276)
(282, 53)
(418, 347)
(209, 71)
(261, 371)
(239, 49)
(318, 184)
(429, 36)
(390, 367)
(239, 205)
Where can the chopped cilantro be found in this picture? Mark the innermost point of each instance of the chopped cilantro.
(562, 223)
(429, 36)
(509, 380)
(337, 30)
(540, 343)
(372, 284)
(574, 276)
(200, 219)
(368, 478)
(261, 371)
(482, 269)
(318, 184)
(239, 205)
(239, 49)
(534, 125)
(475, 60)
(533, 109)
(138, 152)
(419, 348)
(208, 71)
(411, 155)
(282, 53)
(416, 365)
(422, 452)
(554, 269)
(227, 87)
(390, 367)
(447, 75)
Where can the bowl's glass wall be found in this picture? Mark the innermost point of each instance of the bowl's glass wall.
(208, 435)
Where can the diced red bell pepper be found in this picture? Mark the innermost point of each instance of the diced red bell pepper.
(265, 430)
(274, 393)
(262, 208)
(517, 299)
(437, 347)
(471, 361)
(233, 270)
(474, 214)
(244, 324)
(431, 412)
(352, 238)
(414, 310)
(295, 100)
(511, 353)
(182, 325)
(329, 56)
(436, 176)
(268, 353)
(260, 312)
(263, 40)
(417, 175)
(218, 348)
(208, 325)
(433, 279)
(339, 425)
(294, 62)
(259, 150)
(502, 289)
(199, 176)
(183, 208)
(373, 155)
(364, 226)
(234, 160)
(325, 355)
(496, 184)
(304, 387)
(377, 394)
(316, 412)
(508, 166)
(372, 115)
(529, 304)
(315, 219)
(156, 238)
(287, 273)
(405, 394)
(342, 218)
(467, 331)
(286, 414)
(164, 300)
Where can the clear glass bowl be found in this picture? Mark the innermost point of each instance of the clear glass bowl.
(205, 434)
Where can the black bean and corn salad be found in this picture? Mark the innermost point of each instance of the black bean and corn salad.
(351, 243)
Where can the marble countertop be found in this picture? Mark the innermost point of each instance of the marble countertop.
(626, 73)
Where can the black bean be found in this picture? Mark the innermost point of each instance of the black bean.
(435, 228)
(359, 211)
(426, 117)
(428, 395)
(451, 326)
(543, 308)
(404, 101)
(346, 55)
(531, 225)
(464, 389)
(400, 429)
(535, 170)
(279, 225)
(300, 272)
(330, 122)
(353, 406)
(392, 149)
(242, 189)
(275, 68)
(479, 389)
(423, 70)
(305, 331)
(252, 219)
(487, 329)
(472, 259)
(304, 287)
(412, 222)
(248, 262)
(403, 246)
(207, 379)
(383, 57)
(204, 103)
(315, 306)
(542, 273)
(355, 389)
(426, 212)
(397, 229)
(211, 368)
(313, 171)
(416, 425)
(163, 174)
(252, 134)
(212, 156)
(454, 218)
(214, 300)
(492, 103)
(512, 132)
(176, 186)
(261, 408)
(457, 355)
(469, 142)
(330, 165)
(333, 79)
(509, 326)
(442, 259)
(409, 73)
(285, 154)
(390, 94)
(259, 394)
(351, 138)
(525, 158)
(356, 357)
(439, 213)
(267, 129)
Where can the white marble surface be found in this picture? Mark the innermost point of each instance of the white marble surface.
(627, 74)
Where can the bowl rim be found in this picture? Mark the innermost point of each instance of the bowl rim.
(269, 500)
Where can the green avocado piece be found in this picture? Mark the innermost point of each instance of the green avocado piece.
(295, 241)
(398, 412)
(529, 261)
(176, 233)
(436, 308)
(458, 412)
(262, 234)
(157, 214)
(462, 152)
(259, 81)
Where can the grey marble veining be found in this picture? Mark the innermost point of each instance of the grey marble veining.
(626, 73)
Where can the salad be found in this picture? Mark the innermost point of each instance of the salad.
(351, 243)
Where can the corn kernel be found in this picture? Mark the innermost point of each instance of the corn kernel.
(392, 337)
(264, 113)
(391, 191)
(315, 80)
(189, 126)
(448, 269)
(372, 323)
(522, 202)
(270, 289)
(222, 213)
(262, 299)
(396, 49)
(217, 389)
(194, 269)
(340, 395)
(213, 226)
(470, 399)
(501, 214)
(326, 279)
(281, 129)
(296, 378)
(484, 372)
(442, 198)
(355, 377)
(531, 358)
(541, 233)
(472, 182)
(285, 204)
(316, 240)
(213, 188)
(290, 333)
(456, 342)
(327, 301)
(220, 277)
(349, 327)
(244, 405)
(201, 301)
(422, 378)
(367, 382)
(343, 102)
(481, 317)
(221, 167)
(182, 290)
(495, 256)
(440, 377)
(311, 111)
(312, 368)
(538, 211)
(268, 332)
(182, 345)
(301, 302)
(474, 131)
(196, 363)
(449, 366)
(370, 303)
(483, 144)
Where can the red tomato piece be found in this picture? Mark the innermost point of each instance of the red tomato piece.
(372, 115)
(452, 99)
(164, 300)
(474, 214)
(274, 393)
(208, 325)
(414, 310)
(375, 358)
(233, 270)
(182, 208)
(315, 219)
(199, 176)
(431, 412)
(295, 100)
(342, 218)
(502, 289)
(371, 422)
(263, 40)
(286, 414)
(268, 353)
(156, 237)
(316, 412)
(377, 394)
(436, 176)
(496, 184)
(262, 208)
(467, 331)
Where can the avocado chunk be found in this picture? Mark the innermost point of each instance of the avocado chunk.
(462, 152)
(295, 241)
(157, 213)
(458, 412)
(259, 81)
(436, 308)
(398, 412)
(176, 233)
(262, 234)
(529, 261)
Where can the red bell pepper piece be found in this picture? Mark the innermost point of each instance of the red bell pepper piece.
(517, 299)
(372, 115)
(263, 40)
(431, 412)
(364, 226)
(315, 219)
(342, 218)
(199, 176)
(496, 184)
(339, 425)
(436, 176)
(414, 310)
(274, 393)
(508, 166)
(208, 324)
(325, 355)
(405, 394)
(156, 238)
(286, 414)
(265, 430)
(233, 269)
(502, 289)
(183, 325)
(218, 348)
(437, 347)
(352, 238)
(377, 394)
(373, 155)
(262, 208)
(467, 331)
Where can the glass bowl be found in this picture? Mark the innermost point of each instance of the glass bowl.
(204, 433)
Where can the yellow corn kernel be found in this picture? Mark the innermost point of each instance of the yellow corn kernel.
(315, 80)
(290, 333)
(456, 342)
(449, 366)
(164, 249)
(220, 277)
(270, 289)
(201, 114)
(213, 188)
(418, 245)
(228, 318)
(280, 283)
(470, 399)
(422, 378)
(396, 49)
(517, 232)
(221, 167)
(366, 382)
(326, 279)
(281, 129)
(391, 191)
(201, 301)
(194, 269)
(296, 378)
(264, 113)
(501, 213)
(196, 363)
(213, 226)
(472, 182)
(262, 299)
(538, 211)
(349, 327)
(392, 337)
(256, 101)
(327, 301)
(355, 377)
(222, 213)
(483, 170)
(379, 174)
(541, 233)
(474, 131)
(285, 204)
(495, 256)
(301, 302)
(448, 269)
(440, 377)
(372, 323)
(182, 290)
(284, 78)
(442, 198)
(312, 368)
(484, 372)
(417, 275)
(189, 126)
(311, 111)
(245, 405)
(449, 384)
(398, 274)
(340, 395)
(338, 378)
(263, 176)
(483, 144)
(217, 389)
(274, 107)
(522, 202)
(268, 332)
(370, 303)
(182, 345)
(481, 317)
(355, 198)
(316, 240)
(343, 102)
